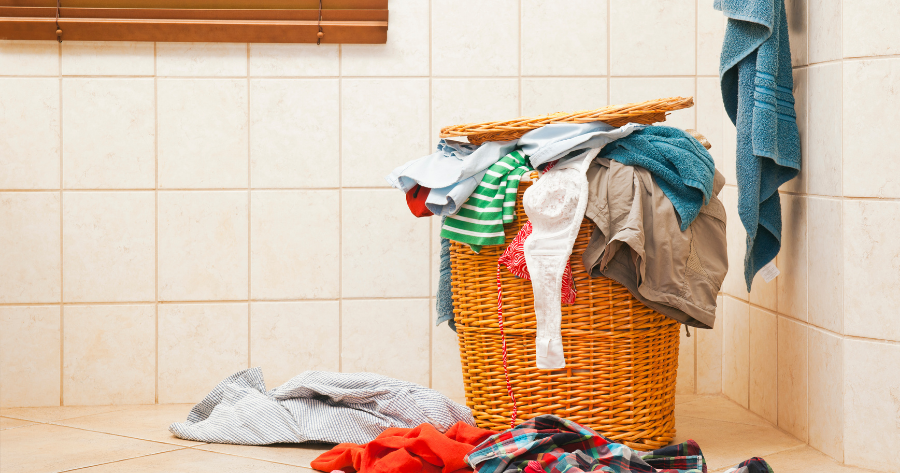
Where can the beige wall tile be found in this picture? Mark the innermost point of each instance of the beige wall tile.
(203, 248)
(564, 38)
(625, 90)
(288, 338)
(29, 58)
(709, 354)
(202, 133)
(29, 247)
(109, 134)
(456, 101)
(764, 294)
(295, 60)
(798, 25)
(201, 59)
(686, 383)
(406, 50)
(734, 284)
(709, 117)
(109, 246)
(385, 248)
(107, 58)
(109, 355)
(710, 34)
(825, 30)
(377, 333)
(871, 403)
(390, 112)
(446, 367)
(652, 38)
(549, 95)
(792, 378)
(871, 275)
(482, 44)
(729, 149)
(871, 91)
(826, 386)
(29, 358)
(826, 266)
(824, 152)
(736, 351)
(295, 133)
(199, 346)
(295, 244)
(793, 257)
(801, 86)
(29, 125)
(763, 364)
(870, 28)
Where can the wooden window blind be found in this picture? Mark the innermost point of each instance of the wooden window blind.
(232, 21)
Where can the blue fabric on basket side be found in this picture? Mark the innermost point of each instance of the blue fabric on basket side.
(444, 305)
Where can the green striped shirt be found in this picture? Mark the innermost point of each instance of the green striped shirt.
(480, 220)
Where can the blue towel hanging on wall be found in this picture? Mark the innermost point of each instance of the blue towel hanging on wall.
(757, 89)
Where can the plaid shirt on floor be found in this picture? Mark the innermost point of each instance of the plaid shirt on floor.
(554, 445)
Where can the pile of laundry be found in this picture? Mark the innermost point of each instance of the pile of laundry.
(651, 192)
(386, 425)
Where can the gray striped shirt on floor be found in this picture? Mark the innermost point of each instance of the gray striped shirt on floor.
(315, 406)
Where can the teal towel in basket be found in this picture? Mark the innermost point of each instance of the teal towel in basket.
(757, 89)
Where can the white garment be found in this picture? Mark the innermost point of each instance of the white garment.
(555, 206)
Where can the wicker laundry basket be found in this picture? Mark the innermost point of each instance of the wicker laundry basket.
(621, 357)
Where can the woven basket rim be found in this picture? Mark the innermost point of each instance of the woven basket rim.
(651, 110)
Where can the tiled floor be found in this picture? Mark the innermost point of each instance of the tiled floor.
(135, 438)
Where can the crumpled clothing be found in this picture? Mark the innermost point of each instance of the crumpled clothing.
(315, 406)
(560, 445)
(422, 449)
(637, 242)
(480, 220)
(514, 260)
(452, 172)
(556, 140)
(680, 165)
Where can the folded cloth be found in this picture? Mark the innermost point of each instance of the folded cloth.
(452, 172)
(638, 243)
(514, 260)
(560, 445)
(315, 406)
(753, 465)
(444, 301)
(681, 166)
(757, 90)
(421, 449)
(480, 220)
(554, 141)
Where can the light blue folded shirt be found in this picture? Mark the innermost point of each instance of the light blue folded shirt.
(452, 172)
(551, 142)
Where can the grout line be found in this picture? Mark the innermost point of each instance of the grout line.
(249, 219)
(206, 189)
(431, 235)
(156, 226)
(62, 360)
(299, 78)
(126, 459)
(340, 222)
(813, 326)
(843, 408)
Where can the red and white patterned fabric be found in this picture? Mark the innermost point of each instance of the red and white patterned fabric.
(514, 259)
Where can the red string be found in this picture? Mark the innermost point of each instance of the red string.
(515, 411)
